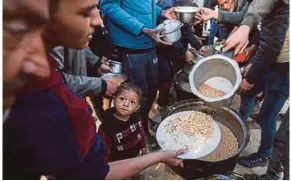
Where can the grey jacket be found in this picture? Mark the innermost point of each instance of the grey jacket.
(274, 27)
(235, 17)
(73, 66)
(257, 10)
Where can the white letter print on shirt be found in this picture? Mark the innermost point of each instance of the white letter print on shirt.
(119, 137)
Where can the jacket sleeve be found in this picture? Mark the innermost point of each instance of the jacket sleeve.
(180, 48)
(112, 10)
(257, 10)
(84, 85)
(271, 42)
(192, 39)
(91, 58)
(233, 17)
(158, 11)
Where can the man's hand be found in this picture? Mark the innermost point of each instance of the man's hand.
(238, 39)
(245, 86)
(170, 157)
(104, 69)
(169, 13)
(189, 57)
(206, 14)
(154, 34)
(111, 87)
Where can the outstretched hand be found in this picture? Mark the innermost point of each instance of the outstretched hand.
(169, 13)
(170, 157)
(237, 40)
(205, 14)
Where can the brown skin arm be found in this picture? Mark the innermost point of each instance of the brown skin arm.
(126, 168)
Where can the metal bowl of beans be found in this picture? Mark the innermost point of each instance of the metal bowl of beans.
(215, 80)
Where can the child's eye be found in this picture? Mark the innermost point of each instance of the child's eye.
(121, 98)
(132, 102)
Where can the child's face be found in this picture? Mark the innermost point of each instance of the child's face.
(127, 102)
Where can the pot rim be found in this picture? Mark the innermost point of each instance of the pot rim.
(162, 25)
(190, 9)
(112, 75)
(114, 62)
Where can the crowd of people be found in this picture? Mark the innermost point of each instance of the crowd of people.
(56, 51)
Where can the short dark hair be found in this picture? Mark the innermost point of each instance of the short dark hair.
(129, 87)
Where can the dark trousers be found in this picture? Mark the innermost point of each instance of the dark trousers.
(142, 70)
(280, 155)
(165, 75)
(276, 91)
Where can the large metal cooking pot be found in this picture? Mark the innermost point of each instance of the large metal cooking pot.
(186, 14)
(172, 31)
(226, 116)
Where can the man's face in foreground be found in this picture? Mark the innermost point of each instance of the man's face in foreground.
(23, 50)
(73, 23)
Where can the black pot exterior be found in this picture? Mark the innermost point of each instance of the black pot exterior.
(194, 168)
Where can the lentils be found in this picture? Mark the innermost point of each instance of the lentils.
(227, 146)
(196, 122)
(209, 91)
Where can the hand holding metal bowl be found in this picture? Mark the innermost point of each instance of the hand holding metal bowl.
(113, 81)
(171, 30)
(186, 14)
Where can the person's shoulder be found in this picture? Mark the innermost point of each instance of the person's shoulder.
(43, 103)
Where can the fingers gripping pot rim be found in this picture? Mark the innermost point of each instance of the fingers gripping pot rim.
(172, 31)
(219, 72)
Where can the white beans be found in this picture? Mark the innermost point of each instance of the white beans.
(197, 122)
(209, 91)
(227, 146)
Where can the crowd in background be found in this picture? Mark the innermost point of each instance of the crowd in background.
(55, 53)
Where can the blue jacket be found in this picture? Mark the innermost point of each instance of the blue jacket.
(127, 18)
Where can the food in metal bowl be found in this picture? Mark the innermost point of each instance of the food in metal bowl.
(227, 147)
(192, 130)
(209, 91)
(197, 122)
